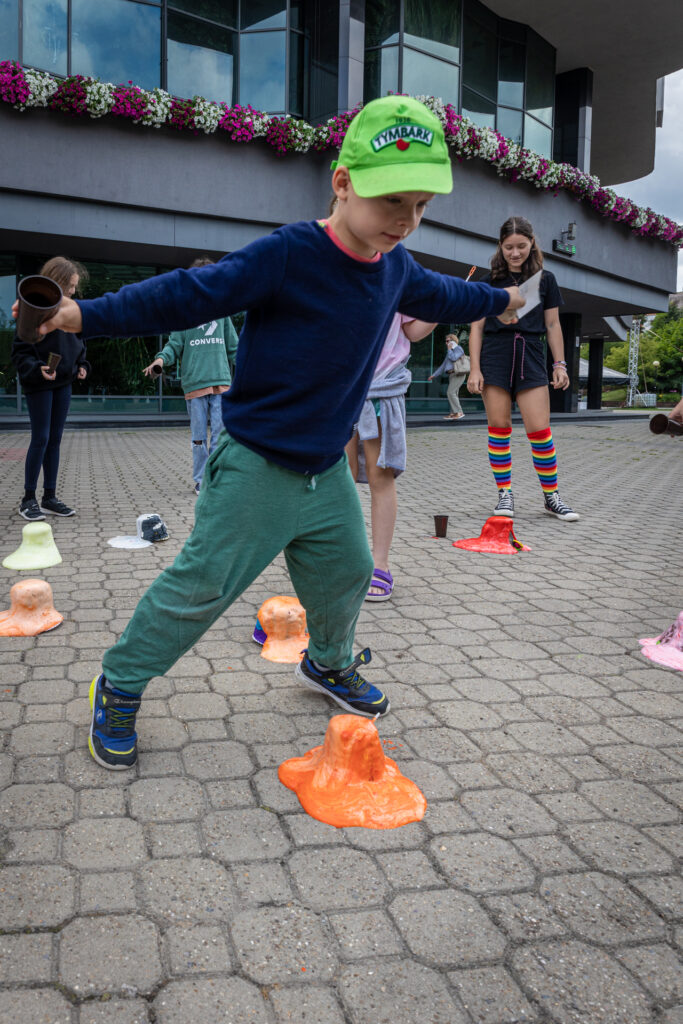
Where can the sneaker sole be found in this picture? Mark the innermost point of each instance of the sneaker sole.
(499, 512)
(378, 597)
(573, 517)
(31, 519)
(91, 745)
(62, 515)
(312, 685)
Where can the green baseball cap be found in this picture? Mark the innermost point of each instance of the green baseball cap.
(396, 144)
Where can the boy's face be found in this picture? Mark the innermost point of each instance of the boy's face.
(376, 224)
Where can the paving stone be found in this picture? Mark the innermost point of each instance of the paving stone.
(490, 996)
(170, 799)
(38, 1005)
(190, 889)
(101, 803)
(367, 933)
(618, 847)
(409, 869)
(658, 968)
(525, 916)
(441, 745)
(244, 835)
(406, 837)
(507, 812)
(189, 706)
(546, 738)
(305, 1006)
(200, 949)
(36, 897)
(668, 836)
(114, 1011)
(467, 714)
(159, 762)
(161, 734)
(482, 863)
(232, 793)
(576, 982)
(643, 764)
(262, 882)
(111, 891)
(628, 801)
(446, 927)
(207, 730)
(81, 771)
(35, 769)
(276, 944)
(109, 954)
(358, 882)
(217, 760)
(26, 959)
(211, 999)
(473, 776)
(601, 909)
(307, 831)
(44, 805)
(31, 846)
(665, 892)
(176, 840)
(568, 807)
(109, 843)
(448, 816)
(401, 992)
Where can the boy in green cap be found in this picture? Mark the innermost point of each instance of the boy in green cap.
(319, 296)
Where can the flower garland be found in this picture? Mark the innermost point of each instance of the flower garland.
(80, 96)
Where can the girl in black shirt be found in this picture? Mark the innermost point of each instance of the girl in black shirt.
(509, 363)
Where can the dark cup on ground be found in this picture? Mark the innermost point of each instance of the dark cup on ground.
(440, 525)
(661, 424)
(39, 299)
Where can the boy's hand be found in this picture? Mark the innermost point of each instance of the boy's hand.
(516, 302)
(154, 368)
(67, 318)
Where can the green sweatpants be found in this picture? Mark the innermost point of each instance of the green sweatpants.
(247, 512)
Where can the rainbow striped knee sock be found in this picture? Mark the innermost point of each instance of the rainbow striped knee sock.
(499, 456)
(545, 458)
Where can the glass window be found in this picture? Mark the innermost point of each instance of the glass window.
(433, 25)
(478, 109)
(381, 72)
(537, 137)
(540, 78)
(480, 58)
(263, 14)
(117, 41)
(9, 29)
(297, 101)
(222, 11)
(200, 59)
(323, 70)
(262, 70)
(45, 34)
(8, 293)
(511, 74)
(509, 124)
(427, 76)
(381, 22)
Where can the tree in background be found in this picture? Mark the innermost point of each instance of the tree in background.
(662, 344)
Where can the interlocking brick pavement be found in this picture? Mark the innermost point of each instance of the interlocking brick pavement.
(543, 884)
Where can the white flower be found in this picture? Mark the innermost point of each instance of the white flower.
(206, 114)
(99, 98)
(42, 87)
(158, 108)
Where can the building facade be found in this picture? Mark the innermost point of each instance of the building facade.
(130, 201)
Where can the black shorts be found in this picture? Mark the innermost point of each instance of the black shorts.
(514, 363)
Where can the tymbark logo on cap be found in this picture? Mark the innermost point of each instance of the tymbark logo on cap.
(402, 135)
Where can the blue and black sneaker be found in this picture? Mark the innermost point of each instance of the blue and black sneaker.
(344, 685)
(113, 739)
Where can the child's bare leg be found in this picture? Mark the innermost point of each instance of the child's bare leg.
(383, 504)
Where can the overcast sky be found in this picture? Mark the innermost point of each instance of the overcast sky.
(662, 190)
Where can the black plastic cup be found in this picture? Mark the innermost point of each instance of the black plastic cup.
(440, 525)
(39, 299)
(661, 424)
(157, 370)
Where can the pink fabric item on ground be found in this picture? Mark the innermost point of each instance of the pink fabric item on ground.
(667, 648)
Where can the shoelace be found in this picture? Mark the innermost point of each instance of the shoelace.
(556, 503)
(119, 719)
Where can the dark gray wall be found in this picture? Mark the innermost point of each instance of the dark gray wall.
(126, 193)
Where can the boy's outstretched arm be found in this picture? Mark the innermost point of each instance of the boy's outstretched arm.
(432, 296)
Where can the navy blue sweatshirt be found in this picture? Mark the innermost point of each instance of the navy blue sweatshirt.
(29, 358)
(315, 326)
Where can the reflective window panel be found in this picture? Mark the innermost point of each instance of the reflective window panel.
(117, 41)
(509, 124)
(45, 35)
(480, 58)
(298, 81)
(262, 70)
(511, 73)
(381, 72)
(263, 14)
(200, 59)
(537, 137)
(9, 29)
(224, 12)
(540, 78)
(381, 22)
(428, 76)
(478, 109)
(433, 25)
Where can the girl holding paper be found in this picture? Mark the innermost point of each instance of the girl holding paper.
(509, 364)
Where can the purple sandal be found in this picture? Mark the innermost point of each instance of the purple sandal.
(381, 580)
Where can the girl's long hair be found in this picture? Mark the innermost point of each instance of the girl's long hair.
(533, 262)
(61, 269)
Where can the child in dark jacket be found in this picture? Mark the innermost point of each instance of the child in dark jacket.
(46, 371)
(319, 298)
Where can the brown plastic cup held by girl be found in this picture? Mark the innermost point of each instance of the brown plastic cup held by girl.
(661, 424)
(39, 299)
(53, 360)
(440, 525)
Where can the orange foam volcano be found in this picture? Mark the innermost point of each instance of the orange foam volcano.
(31, 610)
(283, 620)
(349, 781)
(497, 537)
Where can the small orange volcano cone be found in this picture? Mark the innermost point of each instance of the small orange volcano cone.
(283, 620)
(31, 610)
(350, 781)
(496, 537)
